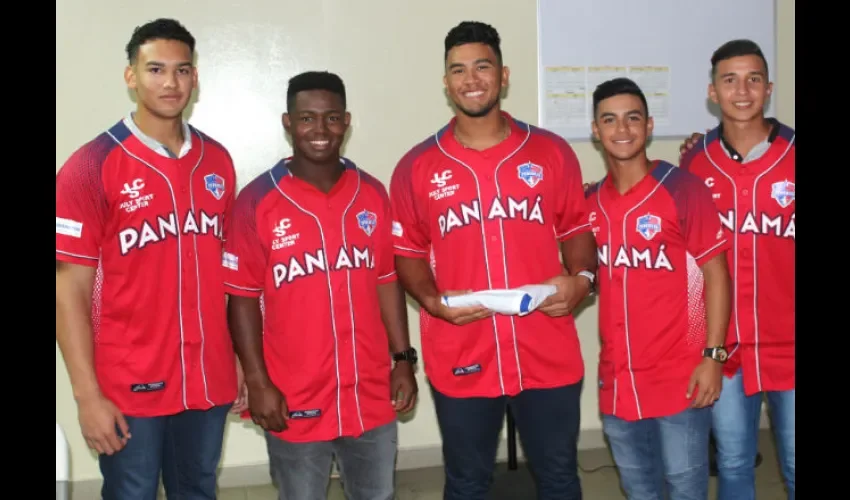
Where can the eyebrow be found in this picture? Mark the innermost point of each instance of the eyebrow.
(631, 112)
(756, 72)
(477, 61)
(157, 63)
(319, 111)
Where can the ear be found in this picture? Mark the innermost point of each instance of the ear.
(650, 124)
(769, 88)
(130, 77)
(347, 119)
(194, 76)
(287, 123)
(595, 129)
(506, 76)
(712, 94)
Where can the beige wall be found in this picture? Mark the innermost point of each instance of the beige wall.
(391, 60)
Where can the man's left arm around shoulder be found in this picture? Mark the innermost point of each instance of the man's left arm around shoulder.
(403, 386)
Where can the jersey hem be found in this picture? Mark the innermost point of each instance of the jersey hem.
(495, 394)
(330, 437)
(664, 412)
(148, 413)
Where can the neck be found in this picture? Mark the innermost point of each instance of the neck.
(168, 131)
(481, 132)
(744, 135)
(625, 174)
(321, 175)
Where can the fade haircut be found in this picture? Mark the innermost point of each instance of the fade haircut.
(159, 29)
(618, 86)
(736, 48)
(473, 32)
(314, 80)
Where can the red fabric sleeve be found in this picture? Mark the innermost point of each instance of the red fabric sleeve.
(81, 206)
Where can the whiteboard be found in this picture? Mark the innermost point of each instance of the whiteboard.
(665, 46)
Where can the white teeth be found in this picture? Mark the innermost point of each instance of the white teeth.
(319, 143)
(742, 104)
(622, 142)
(474, 94)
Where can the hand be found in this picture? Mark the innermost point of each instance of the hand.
(241, 403)
(457, 315)
(588, 185)
(268, 407)
(101, 421)
(571, 291)
(403, 387)
(690, 142)
(707, 379)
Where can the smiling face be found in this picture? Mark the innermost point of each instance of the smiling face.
(622, 126)
(163, 77)
(317, 123)
(474, 78)
(740, 87)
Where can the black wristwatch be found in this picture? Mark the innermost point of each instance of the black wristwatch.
(718, 353)
(408, 355)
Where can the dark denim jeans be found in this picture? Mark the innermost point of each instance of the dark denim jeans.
(736, 425)
(661, 454)
(185, 447)
(548, 424)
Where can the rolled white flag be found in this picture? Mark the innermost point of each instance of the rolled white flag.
(515, 301)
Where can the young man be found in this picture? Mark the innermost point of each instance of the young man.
(140, 310)
(661, 247)
(748, 162)
(312, 236)
(492, 200)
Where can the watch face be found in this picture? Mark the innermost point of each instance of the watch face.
(721, 354)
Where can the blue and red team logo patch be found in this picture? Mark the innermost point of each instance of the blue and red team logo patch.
(649, 225)
(215, 185)
(367, 221)
(783, 192)
(530, 173)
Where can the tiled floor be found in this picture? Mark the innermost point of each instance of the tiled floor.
(599, 481)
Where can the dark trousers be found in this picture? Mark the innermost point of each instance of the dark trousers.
(548, 424)
(185, 447)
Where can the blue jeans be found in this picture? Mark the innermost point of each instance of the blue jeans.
(548, 425)
(185, 447)
(736, 426)
(301, 471)
(663, 453)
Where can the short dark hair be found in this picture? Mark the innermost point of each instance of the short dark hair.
(473, 32)
(617, 86)
(314, 80)
(159, 29)
(736, 48)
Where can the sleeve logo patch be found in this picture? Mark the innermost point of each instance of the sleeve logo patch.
(230, 261)
(69, 227)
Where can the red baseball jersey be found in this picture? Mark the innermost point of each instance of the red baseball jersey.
(493, 220)
(652, 242)
(153, 226)
(756, 203)
(317, 260)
